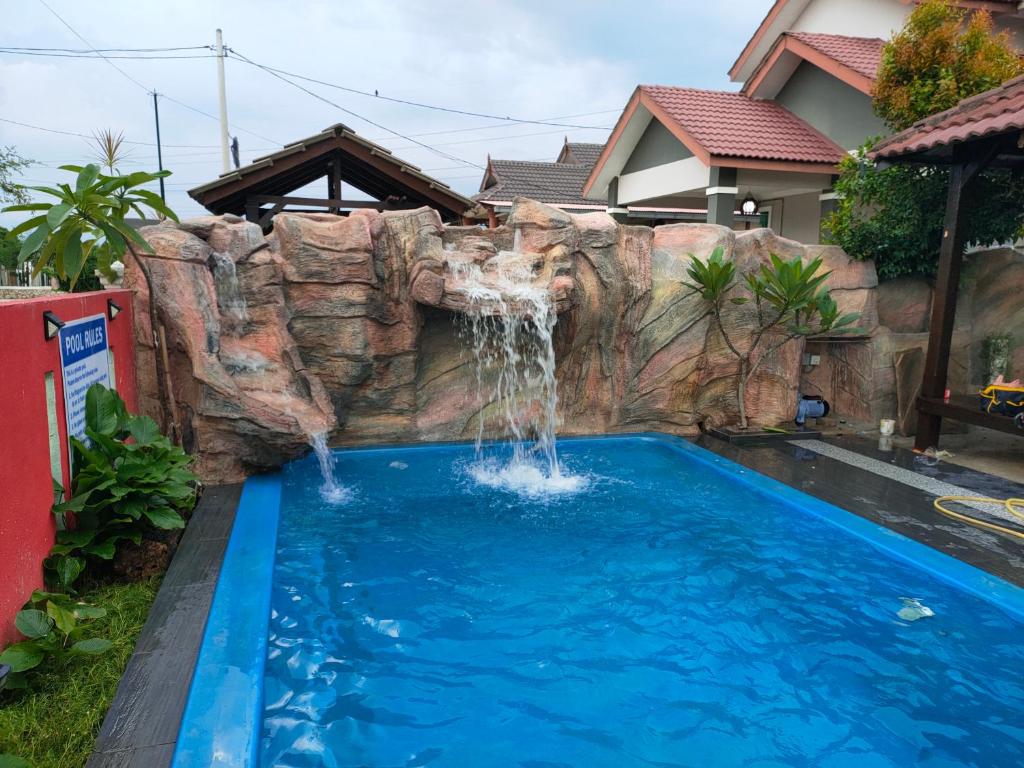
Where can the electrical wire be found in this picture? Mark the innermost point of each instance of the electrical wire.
(408, 102)
(90, 138)
(107, 56)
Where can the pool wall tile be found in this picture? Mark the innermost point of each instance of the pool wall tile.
(221, 725)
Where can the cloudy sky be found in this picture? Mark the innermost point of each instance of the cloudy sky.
(563, 61)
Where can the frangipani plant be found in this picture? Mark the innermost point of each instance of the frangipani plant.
(87, 219)
(791, 303)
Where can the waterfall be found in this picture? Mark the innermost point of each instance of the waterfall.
(330, 490)
(508, 325)
(229, 293)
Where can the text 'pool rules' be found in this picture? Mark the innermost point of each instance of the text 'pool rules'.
(84, 361)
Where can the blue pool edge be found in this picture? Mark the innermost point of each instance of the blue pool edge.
(222, 721)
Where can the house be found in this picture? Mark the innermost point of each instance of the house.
(806, 77)
(560, 185)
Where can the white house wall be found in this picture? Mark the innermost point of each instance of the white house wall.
(674, 178)
(863, 18)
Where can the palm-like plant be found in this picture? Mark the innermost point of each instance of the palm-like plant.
(789, 297)
(88, 220)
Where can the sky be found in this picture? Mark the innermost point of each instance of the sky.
(560, 61)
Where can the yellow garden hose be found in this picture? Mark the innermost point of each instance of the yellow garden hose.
(1011, 505)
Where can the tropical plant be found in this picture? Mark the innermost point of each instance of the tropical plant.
(8, 250)
(86, 224)
(790, 303)
(895, 215)
(128, 480)
(53, 625)
(11, 163)
(111, 148)
(88, 220)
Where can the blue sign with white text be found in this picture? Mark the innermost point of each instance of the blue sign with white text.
(84, 361)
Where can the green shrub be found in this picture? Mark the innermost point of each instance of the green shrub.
(52, 624)
(128, 480)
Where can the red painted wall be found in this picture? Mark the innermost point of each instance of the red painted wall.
(26, 487)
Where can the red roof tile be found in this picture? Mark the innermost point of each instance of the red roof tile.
(734, 125)
(861, 54)
(996, 111)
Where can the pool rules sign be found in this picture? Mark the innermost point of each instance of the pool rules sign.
(84, 361)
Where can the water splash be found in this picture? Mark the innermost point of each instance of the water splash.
(508, 325)
(330, 490)
(229, 292)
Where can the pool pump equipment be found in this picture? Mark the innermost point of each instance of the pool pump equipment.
(811, 406)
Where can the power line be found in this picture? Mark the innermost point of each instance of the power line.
(108, 50)
(407, 102)
(105, 57)
(90, 138)
(132, 79)
(355, 114)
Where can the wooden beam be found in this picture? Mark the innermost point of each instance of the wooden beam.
(334, 180)
(331, 202)
(966, 409)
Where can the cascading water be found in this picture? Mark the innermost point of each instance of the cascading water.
(508, 326)
(229, 293)
(330, 490)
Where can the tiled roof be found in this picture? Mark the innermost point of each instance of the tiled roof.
(861, 54)
(557, 183)
(584, 154)
(996, 111)
(733, 125)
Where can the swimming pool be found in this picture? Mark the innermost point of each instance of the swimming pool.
(678, 611)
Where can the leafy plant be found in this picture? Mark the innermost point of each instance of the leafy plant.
(87, 220)
(53, 625)
(110, 148)
(8, 250)
(129, 479)
(790, 303)
(11, 163)
(895, 216)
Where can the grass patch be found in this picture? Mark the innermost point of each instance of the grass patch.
(54, 724)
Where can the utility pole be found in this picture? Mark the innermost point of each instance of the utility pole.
(159, 152)
(225, 140)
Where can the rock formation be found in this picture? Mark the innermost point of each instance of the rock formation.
(351, 327)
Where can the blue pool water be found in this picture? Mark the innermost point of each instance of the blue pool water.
(666, 615)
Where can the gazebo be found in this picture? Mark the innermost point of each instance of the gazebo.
(983, 131)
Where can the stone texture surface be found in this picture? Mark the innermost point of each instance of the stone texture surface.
(353, 327)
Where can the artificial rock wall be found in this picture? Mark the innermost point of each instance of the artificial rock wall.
(351, 328)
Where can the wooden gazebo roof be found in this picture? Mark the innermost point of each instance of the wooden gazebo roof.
(980, 132)
(340, 155)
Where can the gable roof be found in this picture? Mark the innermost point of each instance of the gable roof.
(993, 112)
(853, 60)
(784, 13)
(722, 128)
(730, 125)
(365, 165)
(559, 184)
(580, 153)
(863, 55)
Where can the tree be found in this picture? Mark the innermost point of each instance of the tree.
(790, 301)
(87, 222)
(11, 163)
(9, 249)
(895, 215)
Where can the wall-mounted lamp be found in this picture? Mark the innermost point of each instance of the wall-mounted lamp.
(750, 206)
(51, 325)
(113, 309)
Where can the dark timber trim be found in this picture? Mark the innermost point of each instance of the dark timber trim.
(141, 726)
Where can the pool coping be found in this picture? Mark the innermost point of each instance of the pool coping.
(202, 739)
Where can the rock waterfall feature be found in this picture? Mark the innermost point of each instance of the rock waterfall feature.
(361, 328)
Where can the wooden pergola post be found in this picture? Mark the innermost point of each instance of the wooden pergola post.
(940, 332)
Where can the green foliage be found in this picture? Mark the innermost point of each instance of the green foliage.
(87, 221)
(53, 625)
(128, 479)
(53, 723)
(9, 248)
(11, 163)
(895, 216)
(789, 297)
(937, 59)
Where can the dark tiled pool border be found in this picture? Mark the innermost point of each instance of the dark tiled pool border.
(155, 701)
